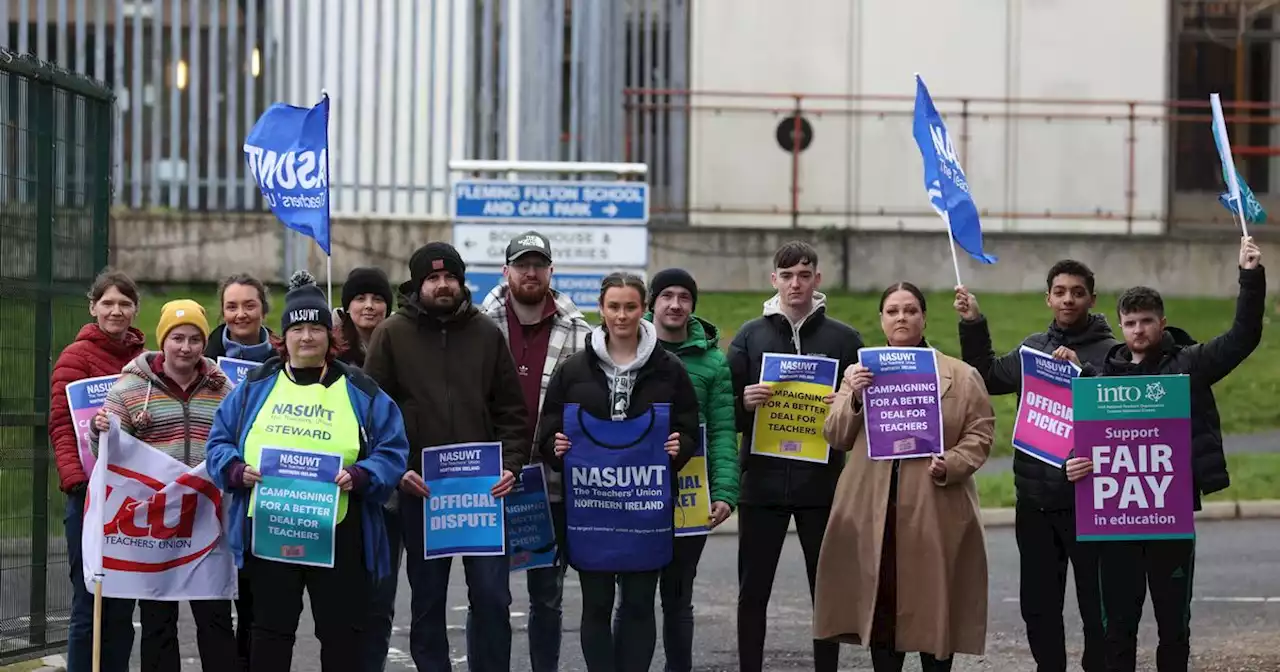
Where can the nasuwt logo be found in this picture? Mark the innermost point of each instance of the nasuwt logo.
(288, 176)
(797, 366)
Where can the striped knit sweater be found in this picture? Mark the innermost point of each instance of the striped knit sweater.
(149, 411)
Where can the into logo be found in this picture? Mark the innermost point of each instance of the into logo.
(1118, 394)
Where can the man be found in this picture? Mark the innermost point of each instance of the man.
(449, 370)
(673, 296)
(543, 329)
(1044, 515)
(775, 489)
(1166, 566)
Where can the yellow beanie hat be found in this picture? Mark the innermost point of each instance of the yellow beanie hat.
(177, 313)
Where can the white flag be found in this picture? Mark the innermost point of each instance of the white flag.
(153, 527)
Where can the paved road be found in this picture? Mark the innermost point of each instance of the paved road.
(1236, 617)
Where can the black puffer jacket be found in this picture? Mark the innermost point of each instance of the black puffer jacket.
(771, 481)
(1038, 484)
(1206, 363)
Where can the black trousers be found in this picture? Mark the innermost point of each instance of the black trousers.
(214, 636)
(1125, 571)
(676, 592)
(885, 656)
(761, 532)
(339, 603)
(626, 643)
(1046, 543)
(244, 619)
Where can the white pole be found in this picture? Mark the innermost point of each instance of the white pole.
(955, 262)
(1244, 229)
(513, 83)
(328, 274)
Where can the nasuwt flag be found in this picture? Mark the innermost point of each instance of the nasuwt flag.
(789, 425)
(944, 179)
(153, 526)
(84, 398)
(1238, 192)
(288, 155)
(1045, 423)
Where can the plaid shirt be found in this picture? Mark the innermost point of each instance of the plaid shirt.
(570, 334)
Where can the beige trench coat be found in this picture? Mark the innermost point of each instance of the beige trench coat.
(940, 548)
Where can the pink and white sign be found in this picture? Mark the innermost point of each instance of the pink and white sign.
(1045, 427)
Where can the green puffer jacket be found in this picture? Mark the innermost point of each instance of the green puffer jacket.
(713, 382)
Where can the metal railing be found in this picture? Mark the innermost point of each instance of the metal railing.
(1147, 165)
(55, 199)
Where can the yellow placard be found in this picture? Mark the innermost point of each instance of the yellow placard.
(789, 425)
(693, 493)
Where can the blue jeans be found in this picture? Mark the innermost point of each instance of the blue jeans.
(376, 638)
(546, 593)
(488, 596)
(117, 615)
(676, 592)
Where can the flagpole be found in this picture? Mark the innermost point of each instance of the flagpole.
(97, 625)
(1244, 229)
(328, 270)
(955, 261)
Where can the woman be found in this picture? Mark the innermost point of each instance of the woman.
(102, 348)
(905, 536)
(356, 421)
(245, 303)
(621, 376)
(366, 302)
(167, 399)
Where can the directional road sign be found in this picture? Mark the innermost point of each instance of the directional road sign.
(582, 284)
(610, 247)
(551, 202)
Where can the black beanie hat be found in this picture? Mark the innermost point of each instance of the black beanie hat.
(366, 280)
(305, 303)
(436, 256)
(672, 277)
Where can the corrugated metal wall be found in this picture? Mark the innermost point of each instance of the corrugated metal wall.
(413, 83)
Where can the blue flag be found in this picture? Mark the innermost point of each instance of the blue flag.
(1236, 186)
(944, 179)
(288, 155)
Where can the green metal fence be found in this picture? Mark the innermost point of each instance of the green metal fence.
(55, 195)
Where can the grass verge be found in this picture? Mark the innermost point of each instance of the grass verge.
(1254, 476)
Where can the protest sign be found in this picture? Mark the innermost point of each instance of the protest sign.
(693, 499)
(236, 369)
(902, 409)
(789, 425)
(531, 532)
(153, 526)
(84, 398)
(1043, 428)
(618, 491)
(295, 507)
(1137, 432)
(462, 517)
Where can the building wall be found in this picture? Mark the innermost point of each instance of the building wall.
(203, 248)
(863, 169)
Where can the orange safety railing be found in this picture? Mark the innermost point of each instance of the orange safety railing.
(1165, 151)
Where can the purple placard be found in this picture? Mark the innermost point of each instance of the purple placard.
(1141, 485)
(902, 411)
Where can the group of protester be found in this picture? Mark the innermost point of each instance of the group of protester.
(894, 550)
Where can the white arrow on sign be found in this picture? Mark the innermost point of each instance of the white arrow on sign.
(611, 210)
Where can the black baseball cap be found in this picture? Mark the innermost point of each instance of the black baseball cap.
(529, 241)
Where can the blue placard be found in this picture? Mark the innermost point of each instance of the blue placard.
(531, 532)
(461, 517)
(295, 507)
(236, 369)
(582, 287)
(551, 202)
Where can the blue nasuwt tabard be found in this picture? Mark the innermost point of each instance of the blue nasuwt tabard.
(618, 492)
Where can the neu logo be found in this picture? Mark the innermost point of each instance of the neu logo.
(1118, 394)
(173, 545)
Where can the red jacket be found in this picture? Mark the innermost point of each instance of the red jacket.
(93, 354)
